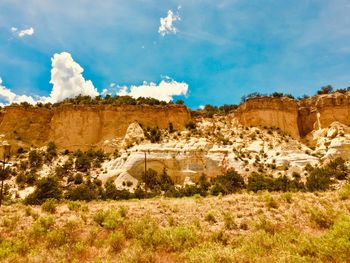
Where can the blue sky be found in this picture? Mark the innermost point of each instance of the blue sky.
(221, 49)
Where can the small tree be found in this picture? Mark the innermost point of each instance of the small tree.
(82, 162)
(51, 151)
(319, 180)
(35, 159)
(171, 127)
(229, 183)
(46, 188)
(325, 90)
(5, 174)
(150, 179)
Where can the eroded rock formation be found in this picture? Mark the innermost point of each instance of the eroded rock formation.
(296, 117)
(81, 127)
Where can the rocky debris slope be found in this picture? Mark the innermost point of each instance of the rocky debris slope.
(216, 145)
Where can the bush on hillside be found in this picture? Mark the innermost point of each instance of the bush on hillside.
(46, 188)
(319, 180)
(226, 184)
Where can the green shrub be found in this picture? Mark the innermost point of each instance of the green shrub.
(30, 212)
(51, 151)
(178, 238)
(35, 158)
(322, 218)
(258, 182)
(226, 184)
(82, 162)
(190, 125)
(210, 217)
(338, 169)
(42, 226)
(109, 219)
(263, 223)
(271, 202)
(49, 205)
(319, 180)
(153, 134)
(344, 192)
(145, 231)
(123, 211)
(211, 252)
(46, 188)
(74, 205)
(229, 221)
(288, 197)
(86, 191)
(116, 241)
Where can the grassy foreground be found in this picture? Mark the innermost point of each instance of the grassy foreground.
(263, 227)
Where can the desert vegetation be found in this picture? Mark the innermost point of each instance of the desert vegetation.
(240, 227)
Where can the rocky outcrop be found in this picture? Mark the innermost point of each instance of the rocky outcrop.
(296, 117)
(271, 112)
(134, 135)
(81, 127)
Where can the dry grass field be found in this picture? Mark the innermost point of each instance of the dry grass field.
(245, 227)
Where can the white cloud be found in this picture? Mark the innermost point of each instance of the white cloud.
(166, 23)
(14, 29)
(25, 32)
(67, 79)
(104, 92)
(201, 107)
(7, 96)
(165, 90)
(68, 82)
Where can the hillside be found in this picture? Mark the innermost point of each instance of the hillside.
(161, 183)
(263, 135)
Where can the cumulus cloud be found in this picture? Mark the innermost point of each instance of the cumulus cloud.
(165, 90)
(166, 23)
(7, 96)
(67, 79)
(68, 82)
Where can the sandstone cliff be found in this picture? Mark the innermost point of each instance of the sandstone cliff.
(271, 112)
(73, 127)
(296, 117)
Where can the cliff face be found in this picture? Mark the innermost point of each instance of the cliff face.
(72, 127)
(25, 126)
(271, 112)
(296, 117)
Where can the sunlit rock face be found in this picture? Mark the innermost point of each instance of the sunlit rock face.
(75, 127)
(296, 117)
(276, 136)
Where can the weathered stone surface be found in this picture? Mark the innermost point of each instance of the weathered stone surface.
(296, 117)
(81, 127)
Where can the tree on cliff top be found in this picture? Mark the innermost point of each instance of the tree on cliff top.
(325, 90)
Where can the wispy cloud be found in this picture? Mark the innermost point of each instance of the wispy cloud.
(23, 32)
